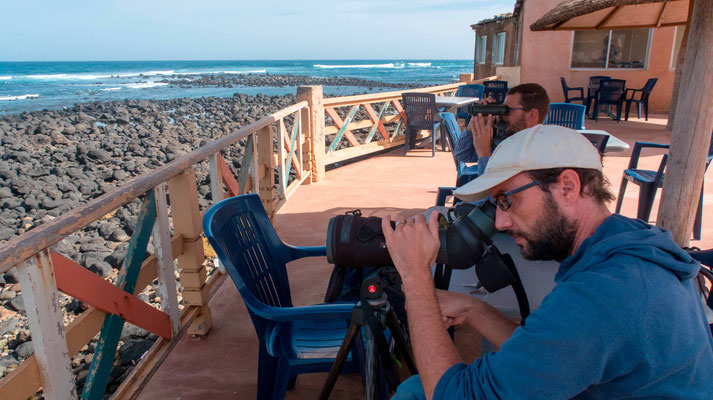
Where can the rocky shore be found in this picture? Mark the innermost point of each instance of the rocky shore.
(262, 80)
(52, 161)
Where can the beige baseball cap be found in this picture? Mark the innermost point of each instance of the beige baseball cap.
(539, 147)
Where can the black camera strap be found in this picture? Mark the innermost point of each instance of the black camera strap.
(390, 372)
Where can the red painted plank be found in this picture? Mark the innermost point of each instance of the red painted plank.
(339, 123)
(228, 178)
(82, 284)
(374, 119)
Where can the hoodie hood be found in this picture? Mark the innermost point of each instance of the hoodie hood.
(621, 235)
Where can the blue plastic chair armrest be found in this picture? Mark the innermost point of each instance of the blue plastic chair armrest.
(637, 151)
(318, 311)
(306, 251)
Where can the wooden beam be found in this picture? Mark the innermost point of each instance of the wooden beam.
(692, 129)
(80, 283)
(608, 17)
(660, 18)
(44, 316)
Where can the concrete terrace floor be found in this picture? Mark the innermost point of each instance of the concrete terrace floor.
(223, 364)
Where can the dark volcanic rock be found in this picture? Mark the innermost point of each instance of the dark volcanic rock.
(133, 350)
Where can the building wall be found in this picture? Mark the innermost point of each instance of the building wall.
(545, 57)
(507, 25)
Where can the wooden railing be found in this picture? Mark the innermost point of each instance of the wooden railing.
(44, 273)
(289, 144)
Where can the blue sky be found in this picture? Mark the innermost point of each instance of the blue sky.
(42, 30)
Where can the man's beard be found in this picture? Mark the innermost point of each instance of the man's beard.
(552, 237)
(515, 126)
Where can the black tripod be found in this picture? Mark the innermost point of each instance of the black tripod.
(375, 314)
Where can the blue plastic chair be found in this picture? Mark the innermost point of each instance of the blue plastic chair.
(567, 115)
(497, 90)
(293, 340)
(465, 173)
(593, 88)
(420, 109)
(566, 89)
(644, 94)
(611, 92)
(470, 90)
(649, 182)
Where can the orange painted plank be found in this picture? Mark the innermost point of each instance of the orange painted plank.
(399, 109)
(339, 123)
(82, 284)
(288, 148)
(375, 119)
(228, 178)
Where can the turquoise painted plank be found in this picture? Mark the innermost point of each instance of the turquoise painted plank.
(292, 147)
(246, 164)
(347, 121)
(376, 125)
(101, 365)
(398, 126)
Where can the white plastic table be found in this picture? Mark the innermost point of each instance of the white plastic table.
(614, 144)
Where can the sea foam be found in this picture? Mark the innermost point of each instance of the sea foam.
(389, 65)
(22, 97)
(111, 89)
(5, 78)
(145, 85)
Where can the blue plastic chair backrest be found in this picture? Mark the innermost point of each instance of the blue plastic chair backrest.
(496, 84)
(420, 109)
(246, 242)
(470, 90)
(566, 114)
(646, 90)
(498, 94)
(596, 80)
(611, 90)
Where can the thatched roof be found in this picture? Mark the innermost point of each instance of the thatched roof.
(613, 14)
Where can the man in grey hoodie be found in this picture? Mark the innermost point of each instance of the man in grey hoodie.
(624, 320)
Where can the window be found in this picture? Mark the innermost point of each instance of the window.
(624, 48)
(481, 49)
(678, 39)
(498, 48)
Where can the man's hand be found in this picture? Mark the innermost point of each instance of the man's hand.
(482, 129)
(413, 245)
(455, 307)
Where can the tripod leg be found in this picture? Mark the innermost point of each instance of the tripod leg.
(393, 324)
(339, 361)
(371, 365)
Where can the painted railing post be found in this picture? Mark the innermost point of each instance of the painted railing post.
(39, 290)
(314, 97)
(467, 78)
(183, 195)
(165, 269)
(266, 161)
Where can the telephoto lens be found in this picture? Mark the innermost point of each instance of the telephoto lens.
(354, 241)
(488, 109)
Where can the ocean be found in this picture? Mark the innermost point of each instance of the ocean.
(31, 86)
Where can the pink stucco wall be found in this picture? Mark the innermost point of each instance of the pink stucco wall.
(545, 58)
